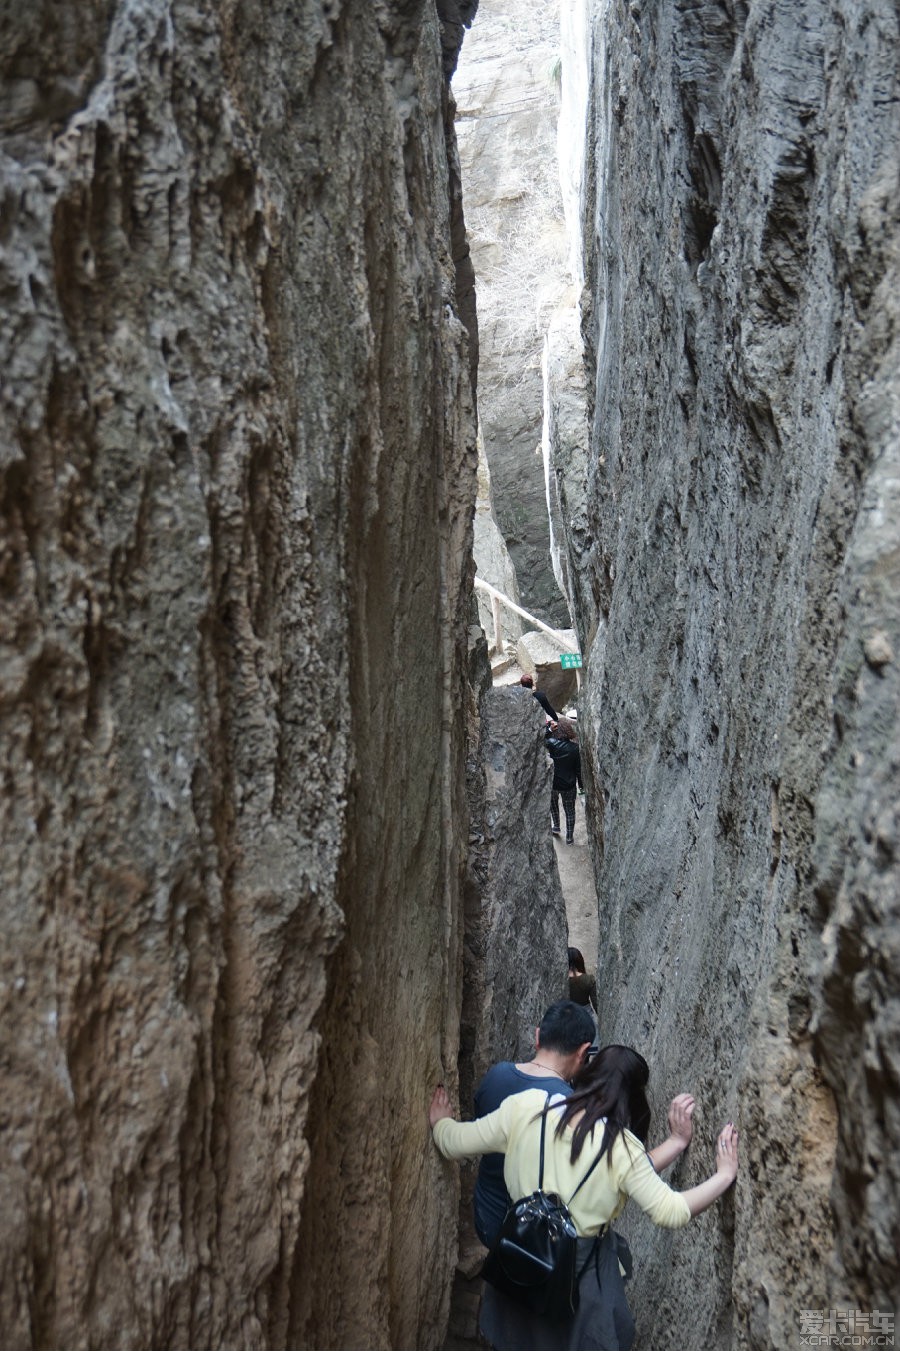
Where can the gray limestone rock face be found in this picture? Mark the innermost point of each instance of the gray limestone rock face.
(237, 454)
(525, 930)
(736, 546)
(516, 931)
(493, 565)
(565, 445)
(506, 91)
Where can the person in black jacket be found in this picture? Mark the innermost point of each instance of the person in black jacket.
(582, 987)
(563, 748)
(527, 683)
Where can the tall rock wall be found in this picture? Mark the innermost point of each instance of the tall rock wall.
(738, 538)
(237, 458)
(493, 564)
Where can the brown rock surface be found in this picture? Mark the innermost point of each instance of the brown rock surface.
(238, 463)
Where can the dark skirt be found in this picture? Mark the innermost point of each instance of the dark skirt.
(603, 1321)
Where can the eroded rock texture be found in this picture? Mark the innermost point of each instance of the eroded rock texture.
(238, 466)
(738, 535)
(493, 564)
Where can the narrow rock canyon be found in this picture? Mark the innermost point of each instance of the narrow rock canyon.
(275, 854)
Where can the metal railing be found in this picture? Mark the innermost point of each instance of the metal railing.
(498, 599)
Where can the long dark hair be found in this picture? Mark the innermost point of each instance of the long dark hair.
(576, 962)
(612, 1086)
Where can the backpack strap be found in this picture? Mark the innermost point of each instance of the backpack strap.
(543, 1131)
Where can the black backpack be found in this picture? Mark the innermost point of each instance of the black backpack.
(533, 1259)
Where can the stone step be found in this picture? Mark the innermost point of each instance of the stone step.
(501, 663)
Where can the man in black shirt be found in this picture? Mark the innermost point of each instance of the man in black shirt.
(561, 1043)
(528, 683)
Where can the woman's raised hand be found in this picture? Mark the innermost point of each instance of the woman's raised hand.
(727, 1152)
(681, 1110)
(440, 1106)
(681, 1128)
(699, 1198)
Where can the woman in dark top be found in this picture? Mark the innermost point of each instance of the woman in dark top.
(582, 987)
(563, 749)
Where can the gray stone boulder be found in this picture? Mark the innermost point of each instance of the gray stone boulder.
(508, 102)
(525, 928)
(539, 656)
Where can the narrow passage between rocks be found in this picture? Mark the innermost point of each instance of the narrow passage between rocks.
(576, 876)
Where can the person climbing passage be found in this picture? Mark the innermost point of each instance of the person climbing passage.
(562, 745)
(527, 682)
(606, 1117)
(561, 1042)
(582, 987)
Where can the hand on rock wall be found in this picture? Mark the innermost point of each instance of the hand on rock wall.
(440, 1106)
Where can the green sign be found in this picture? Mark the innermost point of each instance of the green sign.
(569, 660)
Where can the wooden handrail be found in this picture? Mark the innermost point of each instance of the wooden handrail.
(517, 609)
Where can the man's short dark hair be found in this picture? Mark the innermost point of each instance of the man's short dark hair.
(566, 1026)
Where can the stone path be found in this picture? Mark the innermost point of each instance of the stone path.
(576, 876)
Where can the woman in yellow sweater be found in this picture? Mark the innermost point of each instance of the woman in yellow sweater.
(606, 1117)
